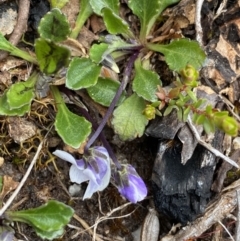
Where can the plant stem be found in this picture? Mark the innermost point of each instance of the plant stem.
(84, 14)
(101, 136)
(126, 77)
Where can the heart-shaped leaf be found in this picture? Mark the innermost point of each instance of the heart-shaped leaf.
(50, 56)
(128, 119)
(181, 52)
(145, 82)
(54, 26)
(82, 73)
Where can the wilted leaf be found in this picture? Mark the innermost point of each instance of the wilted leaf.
(50, 56)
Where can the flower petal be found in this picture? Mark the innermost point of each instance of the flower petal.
(130, 193)
(139, 185)
(77, 175)
(91, 188)
(65, 156)
(106, 178)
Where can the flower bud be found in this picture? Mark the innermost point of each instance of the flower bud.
(230, 126)
(189, 76)
(130, 184)
(149, 112)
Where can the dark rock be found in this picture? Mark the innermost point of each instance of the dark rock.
(182, 191)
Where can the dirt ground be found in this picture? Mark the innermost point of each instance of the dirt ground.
(50, 176)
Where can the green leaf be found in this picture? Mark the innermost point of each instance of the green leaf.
(97, 51)
(115, 24)
(198, 119)
(192, 95)
(73, 129)
(50, 56)
(58, 3)
(54, 26)
(5, 108)
(7, 46)
(104, 91)
(21, 93)
(181, 52)
(186, 113)
(165, 3)
(49, 235)
(145, 82)
(82, 73)
(98, 5)
(208, 125)
(128, 119)
(49, 217)
(84, 13)
(147, 12)
(199, 103)
(169, 109)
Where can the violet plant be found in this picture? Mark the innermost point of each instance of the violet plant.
(131, 112)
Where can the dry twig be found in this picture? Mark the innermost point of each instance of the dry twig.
(209, 147)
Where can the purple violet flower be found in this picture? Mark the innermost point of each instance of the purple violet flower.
(93, 167)
(130, 184)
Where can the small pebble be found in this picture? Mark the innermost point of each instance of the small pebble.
(74, 190)
(236, 143)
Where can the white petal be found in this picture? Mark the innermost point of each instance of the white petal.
(90, 174)
(77, 175)
(91, 188)
(106, 179)
(65, 156)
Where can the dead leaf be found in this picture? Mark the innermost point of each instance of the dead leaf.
(20, 129)
(8, 185)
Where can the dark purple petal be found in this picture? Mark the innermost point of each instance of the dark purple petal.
(130, 184)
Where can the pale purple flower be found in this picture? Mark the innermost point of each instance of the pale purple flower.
(6, 235)
(130, 184)
(94, 167)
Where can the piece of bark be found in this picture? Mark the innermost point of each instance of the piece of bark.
(180, 191)
(220, 209)
(222, 172)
